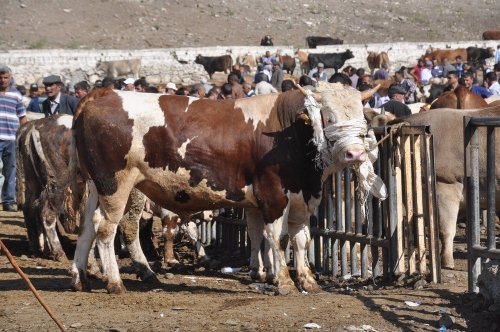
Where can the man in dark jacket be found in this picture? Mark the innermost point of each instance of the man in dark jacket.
(57, 102)
(396, 105)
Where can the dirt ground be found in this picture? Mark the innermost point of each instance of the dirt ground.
(138, 24)
(199, 298)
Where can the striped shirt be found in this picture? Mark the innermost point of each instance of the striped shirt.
(11, 109)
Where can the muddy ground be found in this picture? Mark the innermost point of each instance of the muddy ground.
(199, 298)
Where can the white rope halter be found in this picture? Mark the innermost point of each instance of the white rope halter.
(341, 135)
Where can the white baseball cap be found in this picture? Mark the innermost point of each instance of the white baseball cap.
(129, 81)
(171, 85)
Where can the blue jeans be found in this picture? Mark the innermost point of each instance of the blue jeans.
(8, 154)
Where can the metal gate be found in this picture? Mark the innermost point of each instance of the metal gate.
(400, 235)
(476, 250)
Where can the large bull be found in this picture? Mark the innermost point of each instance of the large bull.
(269, 154)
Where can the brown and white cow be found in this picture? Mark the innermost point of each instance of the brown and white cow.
(439, 54)
(44, 177)
(268, 154)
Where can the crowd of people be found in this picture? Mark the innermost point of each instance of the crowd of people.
(57, 98)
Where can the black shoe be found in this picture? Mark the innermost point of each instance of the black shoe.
(9, 208)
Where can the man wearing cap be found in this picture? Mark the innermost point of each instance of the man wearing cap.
(128, 84)
(170, 89)
(34, 105)
(321, 73)
(12, 114)
(57, 102)
(396, 105)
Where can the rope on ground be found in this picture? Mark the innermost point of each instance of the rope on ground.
(30, 285)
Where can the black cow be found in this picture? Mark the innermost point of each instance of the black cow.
(215, 63)
(266, 41)
(477, 55)
(330, 60)
(313, 41)
(435, 91)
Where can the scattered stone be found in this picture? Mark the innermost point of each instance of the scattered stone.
(169, 275)
(200, 269)
(76, 325)
(232, 322)
(249, 326)
(23, 258)
(385, 307)
(67, 10)
(446, 321)
(22, 5)
(420, 284)
(283, 291)
(369, 288)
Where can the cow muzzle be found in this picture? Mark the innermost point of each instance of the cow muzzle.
(355, 155)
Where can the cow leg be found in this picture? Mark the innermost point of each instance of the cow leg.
(301, 238)
(85, 241)
(129, 225)
(111, 209)
(49, 218)
(277, 233)
(192, 232)
(169, 224)
(255, 228)
(448, 198)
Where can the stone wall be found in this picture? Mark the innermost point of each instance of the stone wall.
(162, 65)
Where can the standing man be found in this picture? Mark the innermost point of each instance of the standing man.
(478, 90)
(492, 81)
(57, 102)
(12, 113)
(34, 105)
(277, 76)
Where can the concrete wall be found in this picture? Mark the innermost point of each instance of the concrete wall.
(162, 65)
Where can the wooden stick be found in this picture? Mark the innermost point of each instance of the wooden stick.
(30, 285)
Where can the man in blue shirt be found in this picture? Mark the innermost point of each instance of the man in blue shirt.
(478, 90)
(12, 113)
(34, 105)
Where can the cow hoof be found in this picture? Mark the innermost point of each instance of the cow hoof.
(116, 288)
(171, 262)
(257, 275)
(286, 288)
(79, 286)
(203, 260)
(309, 286)
(150, 278)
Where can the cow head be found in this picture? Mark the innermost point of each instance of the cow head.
(348, 54)
(341, 133)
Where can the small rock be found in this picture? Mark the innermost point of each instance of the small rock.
(283, 291)
(385, 307)
(67, 10)
(369, 288)
(446, 321)
(200, 269)
(22, 5)
(169, 276)
(24, 258)
(420, 284)
(232, 322)
(76, 325)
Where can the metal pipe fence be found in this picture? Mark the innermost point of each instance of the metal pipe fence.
(480, 178)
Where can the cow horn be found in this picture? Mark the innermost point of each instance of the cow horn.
(316, 96)
(369, 93)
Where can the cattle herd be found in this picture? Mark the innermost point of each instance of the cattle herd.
(90, 173)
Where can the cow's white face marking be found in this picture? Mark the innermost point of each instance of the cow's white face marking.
(256, 108)
(182, 150)
(65, 120)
